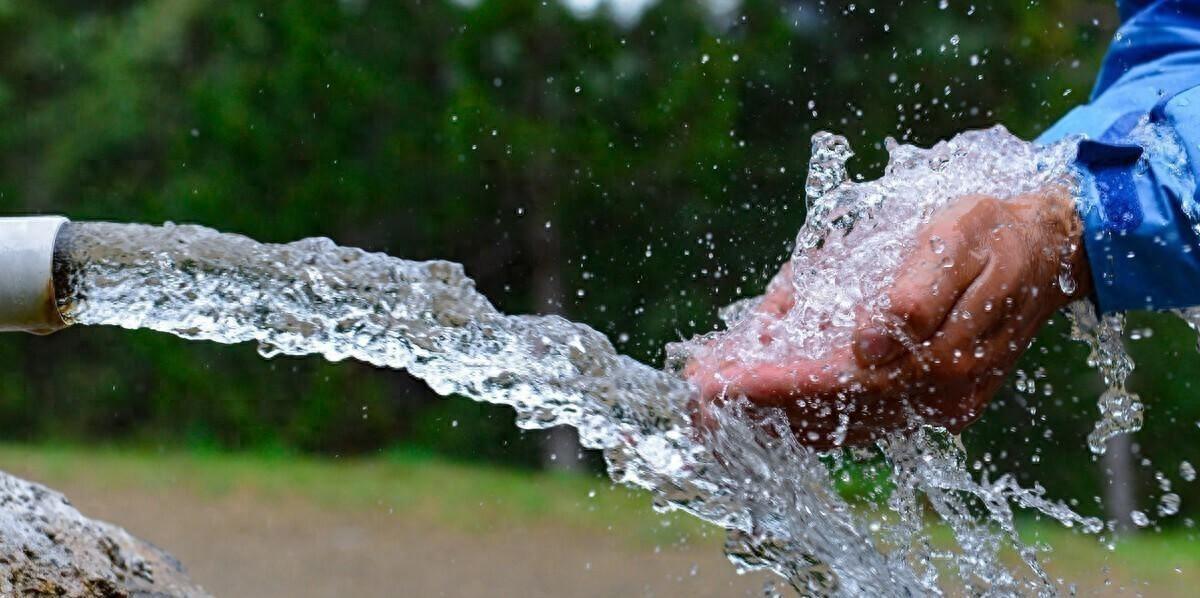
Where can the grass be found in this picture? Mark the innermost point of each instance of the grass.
(1161, 563)
(486, 499)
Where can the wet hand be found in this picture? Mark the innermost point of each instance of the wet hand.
(983, 278)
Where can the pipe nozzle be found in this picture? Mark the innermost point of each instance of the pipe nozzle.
(27, 301)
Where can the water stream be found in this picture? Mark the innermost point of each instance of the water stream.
(748, 473)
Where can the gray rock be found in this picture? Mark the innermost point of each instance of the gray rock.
(47, 548)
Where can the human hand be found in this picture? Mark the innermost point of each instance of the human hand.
(982, 279)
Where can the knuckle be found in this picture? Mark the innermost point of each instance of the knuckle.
(914, 312)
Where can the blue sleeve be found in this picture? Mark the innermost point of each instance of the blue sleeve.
(1138, 165)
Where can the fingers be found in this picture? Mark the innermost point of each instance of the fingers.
(830, 403)
(928, 285)
(983, 307)
(819, 396)
(985, 333)
(776, 385)
(780, 295)
(779, 384)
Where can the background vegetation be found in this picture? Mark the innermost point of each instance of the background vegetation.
(634, 174)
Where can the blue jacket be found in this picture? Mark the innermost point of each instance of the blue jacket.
(1139, 195)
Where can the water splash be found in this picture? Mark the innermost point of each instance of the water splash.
(748, 473)
(313, 297)
(1120, 409)
(847, 254)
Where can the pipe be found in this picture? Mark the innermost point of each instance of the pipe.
(27, 301)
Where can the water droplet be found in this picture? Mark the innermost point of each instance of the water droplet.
(1139, 518)
(1066, 283)
(1168, 505)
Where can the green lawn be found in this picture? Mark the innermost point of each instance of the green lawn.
(481, 498)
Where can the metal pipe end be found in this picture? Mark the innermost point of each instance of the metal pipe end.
(27, 301)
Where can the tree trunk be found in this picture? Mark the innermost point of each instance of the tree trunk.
(560, 447)
(1120, 482)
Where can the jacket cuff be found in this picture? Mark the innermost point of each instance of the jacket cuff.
(1139, 243)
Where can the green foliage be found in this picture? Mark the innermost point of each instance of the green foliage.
(668, 157)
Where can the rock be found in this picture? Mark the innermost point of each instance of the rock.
(47, 548)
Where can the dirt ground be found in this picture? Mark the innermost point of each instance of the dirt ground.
(242, 545)
(260, 527)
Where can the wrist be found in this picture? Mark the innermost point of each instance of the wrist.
(1054, 214)
(1066, 226)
